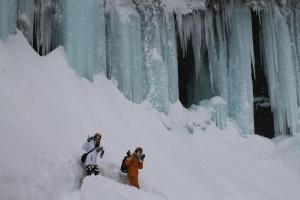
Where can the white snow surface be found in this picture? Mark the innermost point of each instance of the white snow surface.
(47, 112)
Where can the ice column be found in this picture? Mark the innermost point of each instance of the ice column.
(220, 111)
(170, 56)
(294, 27)
(223, 53)
(37, 20)
(44, 12)
(157, 70)
(25, 18)
(124, 49)
(190, 27)
(280, 71)
(207, 31)
(202, 78)
(218, 58)
(240, 94)
(8, 12)
(84, 36)
(158, 36)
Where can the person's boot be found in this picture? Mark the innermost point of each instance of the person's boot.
(96, 170)
(89, 170)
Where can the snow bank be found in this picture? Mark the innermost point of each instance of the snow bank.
(47, 111)
(91, 190)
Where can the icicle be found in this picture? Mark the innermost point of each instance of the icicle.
(84, 36)
(240, 97)
(278, 60)
(160, 58)
(125, 49)
(171, 57)
(157, 71)
(185, 24)
(220, 111)
(25, 18)
(8, 13)
(210, 45)
(44, 16)
(220, 68)
(294, 28)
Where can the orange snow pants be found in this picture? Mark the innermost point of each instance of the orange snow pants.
(134, 181)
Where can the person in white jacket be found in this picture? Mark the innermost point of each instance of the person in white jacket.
(92, 145)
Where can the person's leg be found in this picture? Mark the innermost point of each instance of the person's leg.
(133, 181)
(96, 170)
(89, 170)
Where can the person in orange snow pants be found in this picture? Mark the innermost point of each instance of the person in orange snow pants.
(134, 163)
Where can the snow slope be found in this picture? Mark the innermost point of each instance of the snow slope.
(47, 111)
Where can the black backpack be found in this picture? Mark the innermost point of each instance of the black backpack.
(123, 165)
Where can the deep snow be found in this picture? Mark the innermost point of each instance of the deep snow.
(47, 112)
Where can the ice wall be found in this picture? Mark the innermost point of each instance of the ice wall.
(141, 46)
(160, 57)
(293, 22)
(280, 54)
(157, 86)
(222, 46)
(142, 51)
(25, 18)
(207, 31)
(83, 33)
(241, 57)
(124, 49)
(45, 12)
(8, 13)
(37, 19)
(134, 43)
(170, 55)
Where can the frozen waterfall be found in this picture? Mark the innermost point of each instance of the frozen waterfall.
(83, 31)
(160, 57)
(240, 95)
(124, 49)
(281, 69)
(134, 43)
(8, 10)
(221, 37)
(223, 51)
(141, 52)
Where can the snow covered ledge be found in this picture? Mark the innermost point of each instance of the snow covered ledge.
(185, 6)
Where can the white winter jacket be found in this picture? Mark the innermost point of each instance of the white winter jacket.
(91, 158)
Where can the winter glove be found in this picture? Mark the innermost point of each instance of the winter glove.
(97, 145)
(99, 149)
(102, 153)
(142, 157)
(128, 153)
(89, 139)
